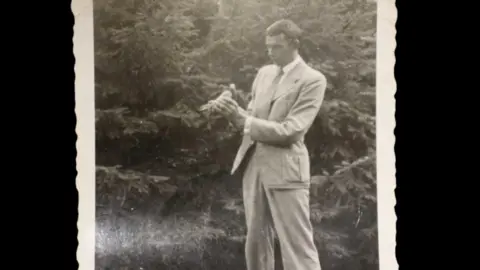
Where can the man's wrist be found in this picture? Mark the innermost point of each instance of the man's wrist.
(240, 118)
(247, 120)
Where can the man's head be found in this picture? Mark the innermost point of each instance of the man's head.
(282, 41)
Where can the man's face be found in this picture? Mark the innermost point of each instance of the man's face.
(279, 49)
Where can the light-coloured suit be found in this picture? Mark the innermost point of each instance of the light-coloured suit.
(274, 163)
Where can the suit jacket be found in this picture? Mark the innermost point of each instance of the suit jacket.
(279, 122)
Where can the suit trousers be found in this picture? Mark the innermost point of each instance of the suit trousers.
(285, 212)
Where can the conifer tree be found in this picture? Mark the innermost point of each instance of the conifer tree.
(157, 62)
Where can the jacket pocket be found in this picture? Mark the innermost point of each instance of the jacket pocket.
(292, 169)
(282, 168)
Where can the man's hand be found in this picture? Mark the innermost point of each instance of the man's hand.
(227, 107)
(230, 109)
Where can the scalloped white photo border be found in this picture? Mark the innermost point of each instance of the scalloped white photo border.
(85, 129)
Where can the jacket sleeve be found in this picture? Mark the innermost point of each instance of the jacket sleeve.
(298, 120)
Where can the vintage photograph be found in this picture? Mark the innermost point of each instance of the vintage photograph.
(235, 134)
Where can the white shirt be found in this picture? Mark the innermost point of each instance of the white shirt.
(286, 69)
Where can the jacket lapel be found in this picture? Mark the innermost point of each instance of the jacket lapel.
(288, 84)
(263, 100)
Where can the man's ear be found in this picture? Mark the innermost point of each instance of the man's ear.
(295, 42)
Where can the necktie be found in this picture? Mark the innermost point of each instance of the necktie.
(275, 82)
(278, 77)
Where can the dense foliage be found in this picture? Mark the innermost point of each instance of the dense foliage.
(161, 159)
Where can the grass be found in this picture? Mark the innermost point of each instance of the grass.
(186, 240)
(143, 242)
(192, 236)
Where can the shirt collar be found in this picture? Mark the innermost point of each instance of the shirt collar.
(291, 65)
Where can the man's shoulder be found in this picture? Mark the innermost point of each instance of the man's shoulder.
(312, 74)
(269, 68)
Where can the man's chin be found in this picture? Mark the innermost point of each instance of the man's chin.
(277, 63)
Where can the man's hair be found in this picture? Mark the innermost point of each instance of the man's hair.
(287, 27)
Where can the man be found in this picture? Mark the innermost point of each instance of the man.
(273, 159)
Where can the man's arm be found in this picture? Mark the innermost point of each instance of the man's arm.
(299, 119)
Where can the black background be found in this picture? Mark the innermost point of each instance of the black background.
(431, 82)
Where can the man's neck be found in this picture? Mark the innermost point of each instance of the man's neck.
(294, 57)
